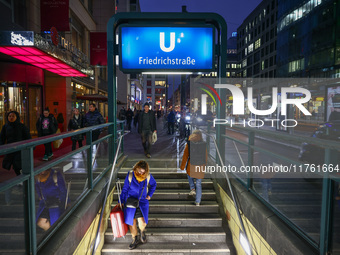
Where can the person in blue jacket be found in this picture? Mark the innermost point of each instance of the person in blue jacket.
(52, 192)
(137, 187)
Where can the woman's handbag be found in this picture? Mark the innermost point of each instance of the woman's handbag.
(57, 143)
(133, 202)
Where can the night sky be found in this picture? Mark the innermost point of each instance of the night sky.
(234, 12)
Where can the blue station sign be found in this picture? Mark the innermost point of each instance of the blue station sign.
(166, 48)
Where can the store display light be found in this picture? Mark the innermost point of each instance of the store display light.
(41, 59)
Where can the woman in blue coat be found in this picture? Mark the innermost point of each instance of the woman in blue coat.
(51, 188)
(136, 186)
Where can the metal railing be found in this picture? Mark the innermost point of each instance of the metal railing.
(107, 190)
(331, 156)
(29, 173)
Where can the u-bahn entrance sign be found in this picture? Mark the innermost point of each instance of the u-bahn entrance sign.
(166, 48)
(166, 42)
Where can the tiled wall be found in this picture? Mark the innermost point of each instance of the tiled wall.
(258, 243)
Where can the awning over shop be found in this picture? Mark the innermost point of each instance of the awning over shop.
(38, 58)
(92, 97)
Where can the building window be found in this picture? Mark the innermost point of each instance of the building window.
(258, 43)
(296, 65)
(298, 13)
(262, 65)
(250, 48)
(160, 83)
(244, 63)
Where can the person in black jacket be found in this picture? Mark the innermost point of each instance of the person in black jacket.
(92, 118)
(47, 125)
(13, 131)
(75, 123)
(146, 127)
(129, 116)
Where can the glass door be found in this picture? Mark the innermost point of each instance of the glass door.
(34, 107)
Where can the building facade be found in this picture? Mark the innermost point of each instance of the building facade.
(48, 62)
(308, 45)
(256, 41)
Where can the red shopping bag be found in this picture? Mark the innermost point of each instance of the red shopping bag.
(119, 227)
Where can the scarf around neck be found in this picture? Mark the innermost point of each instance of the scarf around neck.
(140, 177)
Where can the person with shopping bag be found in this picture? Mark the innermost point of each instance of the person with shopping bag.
(135, 197)
(195, 157)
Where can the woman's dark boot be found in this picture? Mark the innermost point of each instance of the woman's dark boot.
(135, 242)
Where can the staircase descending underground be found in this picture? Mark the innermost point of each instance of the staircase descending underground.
(176, 225)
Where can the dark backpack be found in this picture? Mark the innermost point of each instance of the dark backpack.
(197, 153)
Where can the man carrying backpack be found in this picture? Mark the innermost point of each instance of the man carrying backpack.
(194, 159)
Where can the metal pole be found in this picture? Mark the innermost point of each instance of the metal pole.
(111, 83)
(29, 191)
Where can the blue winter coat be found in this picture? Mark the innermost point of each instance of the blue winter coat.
(51, 194)
(135, 190)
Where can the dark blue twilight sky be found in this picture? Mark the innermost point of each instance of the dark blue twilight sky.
(233, 11)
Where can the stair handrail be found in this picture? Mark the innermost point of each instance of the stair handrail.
(230, 188)
(108, 188)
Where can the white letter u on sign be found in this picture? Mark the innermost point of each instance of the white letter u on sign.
(172, 42)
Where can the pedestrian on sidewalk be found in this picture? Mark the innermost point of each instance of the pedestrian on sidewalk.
(77, 122)
(13, 131)
(136, 119)
(194, 160)
(93, 118)
(146, 127)
(129, 116)
(136, 191)
(47, 125)
(171, 122)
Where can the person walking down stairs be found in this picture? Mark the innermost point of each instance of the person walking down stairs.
(194, 160)
(136, 196)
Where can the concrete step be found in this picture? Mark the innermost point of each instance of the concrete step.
(12, 211)
(178, 194)
(153, 163)
(189, 248)
(182, 207)
(194, 235)
(12, 251)
(181, 184)
(180, 220)
(10, 240)
(12, 225)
